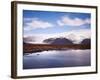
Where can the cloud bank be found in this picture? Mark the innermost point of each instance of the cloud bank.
(76, 36)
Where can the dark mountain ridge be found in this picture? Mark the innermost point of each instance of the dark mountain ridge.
(60, 41)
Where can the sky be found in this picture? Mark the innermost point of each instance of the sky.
(50, 23)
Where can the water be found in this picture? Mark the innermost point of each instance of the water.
(53, 59)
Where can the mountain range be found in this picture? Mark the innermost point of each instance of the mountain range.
(65, 41)
(75, 36)
(59, 40)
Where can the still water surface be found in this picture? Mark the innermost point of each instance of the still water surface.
(53, 59)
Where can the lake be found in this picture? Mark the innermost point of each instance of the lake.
(54, 59)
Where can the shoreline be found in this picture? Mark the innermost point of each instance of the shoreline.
(33, 48)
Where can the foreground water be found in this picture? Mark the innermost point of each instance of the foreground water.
(53, 59)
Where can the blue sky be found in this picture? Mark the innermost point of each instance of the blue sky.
(45, 22)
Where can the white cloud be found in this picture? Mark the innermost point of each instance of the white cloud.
(78, 35)
(60, 23)
(65, 20)
(34, 23)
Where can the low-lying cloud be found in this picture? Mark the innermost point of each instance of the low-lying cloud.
(76, 36)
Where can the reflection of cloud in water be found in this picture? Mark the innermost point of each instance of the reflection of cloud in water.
(60, 53)
(59, 58)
